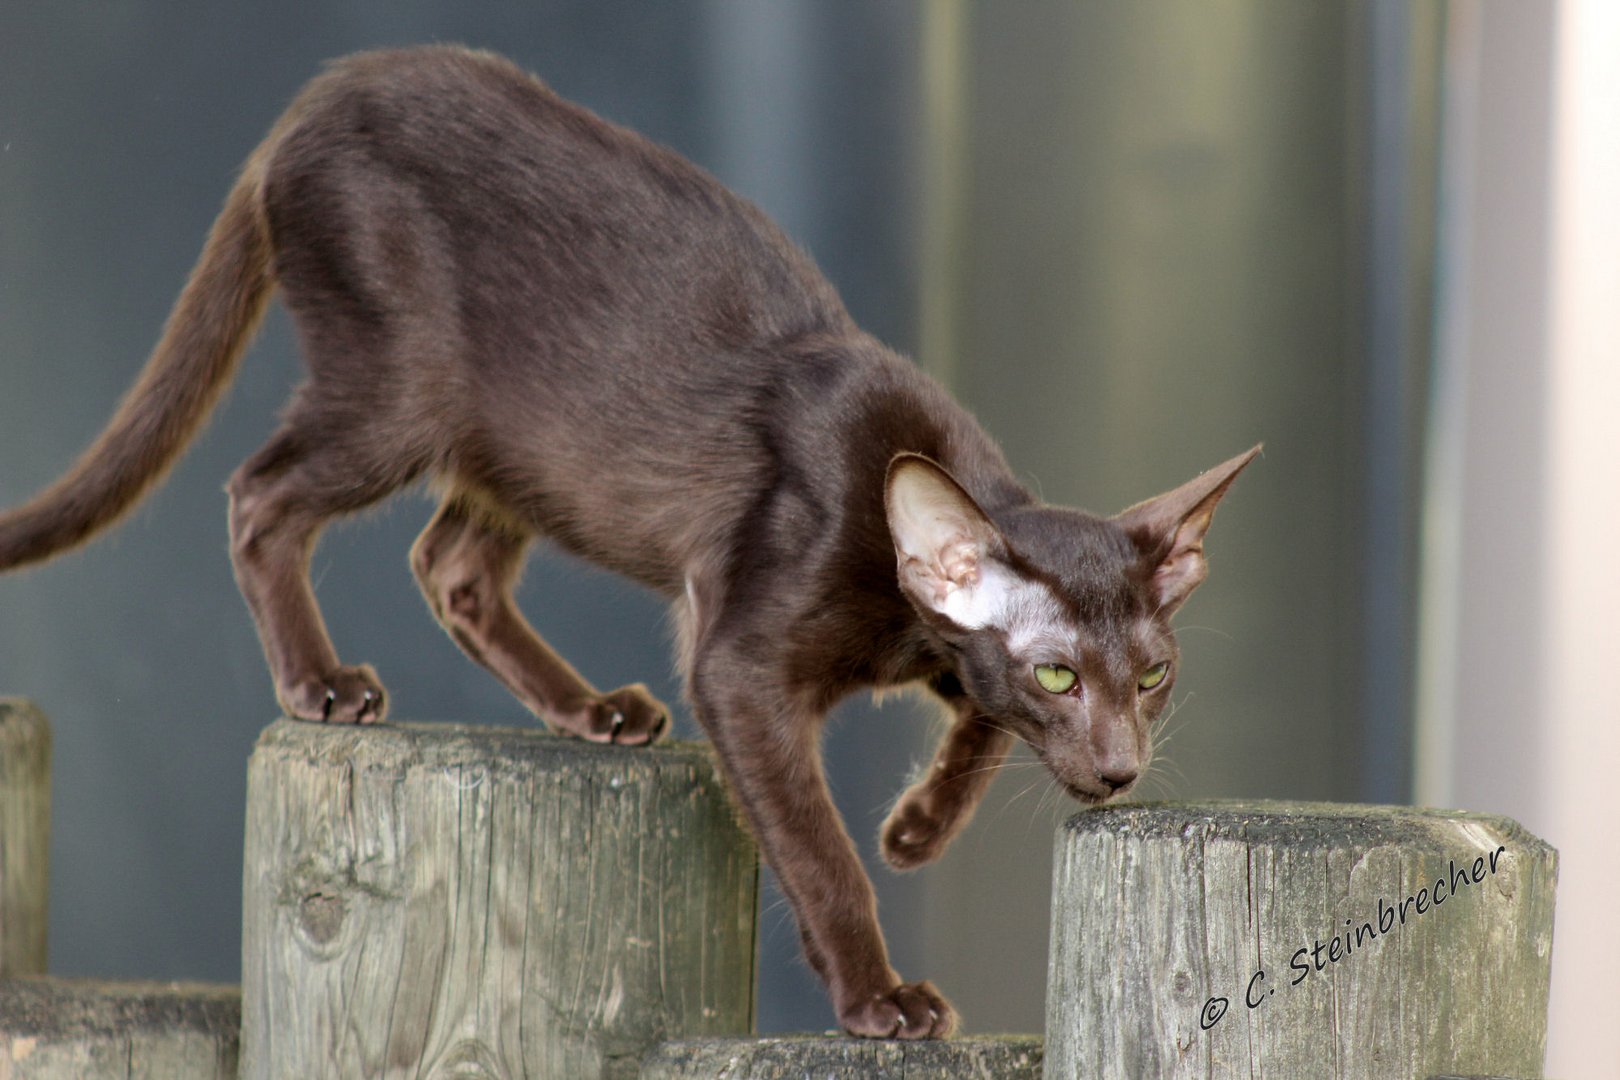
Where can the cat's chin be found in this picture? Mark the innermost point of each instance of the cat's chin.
(1089, 798)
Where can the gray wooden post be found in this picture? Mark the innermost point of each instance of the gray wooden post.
(25, 824)
(451, 901)
(1297, 939)
(81, 1029)
(795, 1057)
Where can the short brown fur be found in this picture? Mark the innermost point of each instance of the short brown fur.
(578, 335)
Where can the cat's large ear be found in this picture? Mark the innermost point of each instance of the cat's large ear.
(1169, 531)
(943, 541)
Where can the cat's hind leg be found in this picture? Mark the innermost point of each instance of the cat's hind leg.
(467, 561)
(280, 499)
(939, 805)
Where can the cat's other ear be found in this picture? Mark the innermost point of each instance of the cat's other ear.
(942, 539)
(1169, 531)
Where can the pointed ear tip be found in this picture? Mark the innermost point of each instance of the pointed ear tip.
(1237, 464)
(908, 459)
(901, 467)
(910, 476)
(917, 469)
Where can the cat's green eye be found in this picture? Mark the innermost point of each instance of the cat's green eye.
(1055, 678)
(1154, 675)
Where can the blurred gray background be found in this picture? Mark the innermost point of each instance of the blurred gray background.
(1135, 239)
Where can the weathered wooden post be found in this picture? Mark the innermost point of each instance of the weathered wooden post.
(436, 900)
(795, 1057)
(1296, 939)
(71, 1029)
(81, 1029)
(25, 823)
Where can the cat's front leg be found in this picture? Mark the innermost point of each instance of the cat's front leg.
(768, 746)
(939, 804)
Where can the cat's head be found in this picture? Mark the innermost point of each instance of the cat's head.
(1058, 621)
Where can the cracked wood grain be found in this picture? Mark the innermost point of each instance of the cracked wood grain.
(74, 1029)
(25, 811)
(447, 901)
(794, 1057)
(1298, 939)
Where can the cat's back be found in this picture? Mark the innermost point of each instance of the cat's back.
(460, 162)
(581, 323)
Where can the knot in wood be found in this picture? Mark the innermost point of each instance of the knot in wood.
(320, 915)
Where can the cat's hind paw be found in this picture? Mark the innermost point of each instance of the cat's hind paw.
(346, 695)
(628, 716)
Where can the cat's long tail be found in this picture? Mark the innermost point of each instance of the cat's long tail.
(206, 334)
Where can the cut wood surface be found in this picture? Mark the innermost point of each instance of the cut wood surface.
(25, 813)
(821, 1057)
(1294, 939)
(437, 900)
(82, 1029)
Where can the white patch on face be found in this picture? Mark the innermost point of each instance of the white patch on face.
(982, 603)
(1039, 625)
(1023, 609)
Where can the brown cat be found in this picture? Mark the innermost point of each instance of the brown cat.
(578, 335)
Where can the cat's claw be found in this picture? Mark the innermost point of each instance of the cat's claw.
(348, 695)
(629, 716)
(909, 1011)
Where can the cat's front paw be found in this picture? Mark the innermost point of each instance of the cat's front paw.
(345, 695)
(913, 835)
(629, 716)
(909, 1011)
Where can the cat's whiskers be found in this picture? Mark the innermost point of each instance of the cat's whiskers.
(1152, 786)
(993, 725)
(1025, 790)
(1002, 761)
(1158, 776)
(1009, 765)
(1161, 738)
(1045, 807)
(1165, 769)
(1003, 764)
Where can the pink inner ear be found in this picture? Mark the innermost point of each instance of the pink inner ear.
(959, 562)
(954, 566)
(1175, 523)
(1178, 575)
(1184, 568)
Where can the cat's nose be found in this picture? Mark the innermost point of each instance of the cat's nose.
(1117, 777)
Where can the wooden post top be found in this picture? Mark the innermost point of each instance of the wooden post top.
(1298, 939)
(437, 744)
(83, 1009)
(1304, 824)
(23, 717)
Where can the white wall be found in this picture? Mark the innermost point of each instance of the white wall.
(1582, 633)
(1522, 609)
